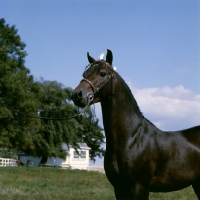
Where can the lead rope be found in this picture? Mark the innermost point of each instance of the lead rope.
(90, 99)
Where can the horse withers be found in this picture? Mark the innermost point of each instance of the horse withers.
(139, 158)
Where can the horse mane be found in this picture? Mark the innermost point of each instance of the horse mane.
(131, 94)
(133, 99)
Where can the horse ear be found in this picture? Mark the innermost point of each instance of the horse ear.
(90, 59)
(109, 57)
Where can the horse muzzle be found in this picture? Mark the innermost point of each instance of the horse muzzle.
(81, 98)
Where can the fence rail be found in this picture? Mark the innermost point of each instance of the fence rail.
(4, 162)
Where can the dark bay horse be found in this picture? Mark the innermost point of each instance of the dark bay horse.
(140, 158)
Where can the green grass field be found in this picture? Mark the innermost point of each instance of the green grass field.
(22, 183)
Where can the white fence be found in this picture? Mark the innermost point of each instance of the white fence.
(4, 162)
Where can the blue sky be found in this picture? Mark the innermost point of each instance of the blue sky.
(155, 45)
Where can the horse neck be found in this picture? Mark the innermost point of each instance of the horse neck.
(121, 114)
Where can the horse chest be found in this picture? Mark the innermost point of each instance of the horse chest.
(124, 167)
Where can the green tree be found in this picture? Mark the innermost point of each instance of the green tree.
(17, 90)
(56, 103)
(8, 153)
(92, 134)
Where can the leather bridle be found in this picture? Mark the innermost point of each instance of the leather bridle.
(95, 90)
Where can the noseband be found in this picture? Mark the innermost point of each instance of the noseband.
(97, 89)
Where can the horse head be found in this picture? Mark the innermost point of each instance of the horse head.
(94, 84)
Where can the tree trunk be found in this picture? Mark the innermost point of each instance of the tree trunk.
(43, 160)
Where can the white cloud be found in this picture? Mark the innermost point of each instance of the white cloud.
(167, 107)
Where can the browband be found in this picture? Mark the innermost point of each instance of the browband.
(103, 61)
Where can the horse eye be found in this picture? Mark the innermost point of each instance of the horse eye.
(102, 74)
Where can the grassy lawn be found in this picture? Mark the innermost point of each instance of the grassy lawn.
(49, 184)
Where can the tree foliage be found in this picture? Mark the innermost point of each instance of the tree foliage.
(8, 153)
(18, 90)
(91, 133)
(51, 99)
(56, 103)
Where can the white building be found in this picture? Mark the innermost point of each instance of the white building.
(73, 160)
(76, 160)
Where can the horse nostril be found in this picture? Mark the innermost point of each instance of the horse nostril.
(79, 94)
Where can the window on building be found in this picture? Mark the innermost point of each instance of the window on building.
(76, 154)
(82, 154)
